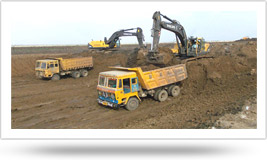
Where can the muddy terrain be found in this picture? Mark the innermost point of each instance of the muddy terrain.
(218, 93)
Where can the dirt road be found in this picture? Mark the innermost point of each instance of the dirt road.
(215, 87)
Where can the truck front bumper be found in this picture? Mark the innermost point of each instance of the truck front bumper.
(109, 104)
(40, 74)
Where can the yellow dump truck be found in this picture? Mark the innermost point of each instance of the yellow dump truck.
(54, 68)
(126, 86)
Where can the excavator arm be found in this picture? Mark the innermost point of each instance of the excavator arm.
(126, 32)
(172, 26)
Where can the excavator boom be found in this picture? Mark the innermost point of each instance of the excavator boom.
(125, 32)
(114, 38)
(154, 56)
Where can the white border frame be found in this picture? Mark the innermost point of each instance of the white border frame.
(259, 133)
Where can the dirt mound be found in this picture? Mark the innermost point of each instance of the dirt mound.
(206, 73)
(138, 58)
(242, 49)
(132, 60)
(214, 87)
(249, 39)
(167, 55)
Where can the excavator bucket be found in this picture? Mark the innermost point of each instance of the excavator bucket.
(158, 60)
(162, 58)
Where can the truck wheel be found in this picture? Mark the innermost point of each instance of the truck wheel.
(156, 95)
(169, 90)
(76, 74)
(55, 77)
(175, 91)
(84, 73)
(163, 95)
(132, 104)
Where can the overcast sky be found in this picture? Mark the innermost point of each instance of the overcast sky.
(79, 23)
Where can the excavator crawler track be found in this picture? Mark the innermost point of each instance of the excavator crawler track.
(195, 58)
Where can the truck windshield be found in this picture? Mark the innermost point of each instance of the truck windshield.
(112, 82)
(101, 81)
(43, 66)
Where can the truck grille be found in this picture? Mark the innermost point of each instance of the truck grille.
(39, 74)
(106, 96)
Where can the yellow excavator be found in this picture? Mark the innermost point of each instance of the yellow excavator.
(114, 40)
(185, 47)
(102, 45)
(196, 44)
(245, 38)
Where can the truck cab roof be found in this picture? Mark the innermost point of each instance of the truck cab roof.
(46, 60)
(117, 73)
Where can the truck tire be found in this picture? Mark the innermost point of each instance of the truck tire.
(156, 95)
(169, 90)
(76, 74)
(163, 95)
(55, 77)
(84, 73)
(175, 91)
(132, 104)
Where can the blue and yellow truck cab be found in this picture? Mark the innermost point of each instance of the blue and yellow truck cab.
(116, 87)
(125, 86)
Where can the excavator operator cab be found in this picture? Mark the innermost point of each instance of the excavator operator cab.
(197, 46)
(192, 45)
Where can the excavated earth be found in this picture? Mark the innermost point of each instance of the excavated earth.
(220, 92)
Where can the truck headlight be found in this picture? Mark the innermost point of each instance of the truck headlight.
(112, 96)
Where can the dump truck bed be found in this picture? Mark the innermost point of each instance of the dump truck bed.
(159, 77)
(76, 63)
(162, 77)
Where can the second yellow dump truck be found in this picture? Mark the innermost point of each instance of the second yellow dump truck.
(54, 68)
(125, 86)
